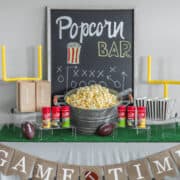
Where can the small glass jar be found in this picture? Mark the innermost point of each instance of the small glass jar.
(131, 116)
(46, 117)
(122, 116)
(141, 115)
(65, 116)
(55, 116)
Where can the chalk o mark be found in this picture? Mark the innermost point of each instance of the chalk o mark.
(91, 82)
(73, 84)
(60, 79)
(82, 83)
(102, 83)
(117, 84)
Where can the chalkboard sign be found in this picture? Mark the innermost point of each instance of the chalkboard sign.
(90, 46)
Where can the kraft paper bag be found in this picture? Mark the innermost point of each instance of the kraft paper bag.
(91, 173)
(43, 94)
(25, 96)
(21, 165)
(115, 172)
(44, 169)
(70, 172)
(175, 152)
(162, 165)
(6, 155)
(138, 170)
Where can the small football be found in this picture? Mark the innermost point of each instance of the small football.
(105, 129)
(28, 130)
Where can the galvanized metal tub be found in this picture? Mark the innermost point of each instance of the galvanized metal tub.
(88, 120)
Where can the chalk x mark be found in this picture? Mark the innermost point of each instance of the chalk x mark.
(112, 69)
(100, 74)
(84, 73)
(76, 73)
(91, 73)
(59, 69)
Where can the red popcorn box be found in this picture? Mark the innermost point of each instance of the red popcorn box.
(73, 53)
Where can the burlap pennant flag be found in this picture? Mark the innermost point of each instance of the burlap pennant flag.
(115, 172)
(65, 171)
(162, 165)
(175, 152)
(21, 165)
(44, 169)
(91, 173)
(6, 155)
(138, 170)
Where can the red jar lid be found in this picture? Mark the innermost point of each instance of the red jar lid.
(56, 109)
(131, 108)
(122, 108)
(142, 108)
(46, 109)
(65, 108)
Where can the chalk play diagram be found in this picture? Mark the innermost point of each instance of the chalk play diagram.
(76, 77)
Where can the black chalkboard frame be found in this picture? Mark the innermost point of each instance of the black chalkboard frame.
(49, 37)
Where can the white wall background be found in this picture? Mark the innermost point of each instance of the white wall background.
(157, 32)
(157, 27)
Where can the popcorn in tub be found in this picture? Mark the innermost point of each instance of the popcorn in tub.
(92, 97)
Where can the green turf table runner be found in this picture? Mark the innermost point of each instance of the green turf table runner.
(160, 133)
